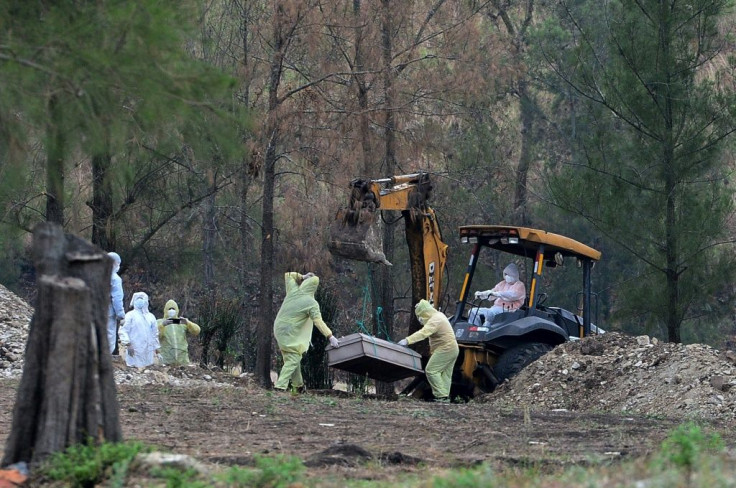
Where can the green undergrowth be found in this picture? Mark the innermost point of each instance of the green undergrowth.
(691, 456)
(85, 465)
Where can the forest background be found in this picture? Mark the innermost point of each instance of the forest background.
(210, 144)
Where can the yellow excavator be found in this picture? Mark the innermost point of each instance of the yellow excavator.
(488, 354)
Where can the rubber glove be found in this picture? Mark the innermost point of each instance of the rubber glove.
(403, 342)
(334, 342)
(483, 295)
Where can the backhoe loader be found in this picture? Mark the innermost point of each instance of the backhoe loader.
(491, 354)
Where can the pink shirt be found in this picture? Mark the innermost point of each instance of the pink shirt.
(512, 295)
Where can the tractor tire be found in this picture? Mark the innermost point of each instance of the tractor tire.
(513, 360)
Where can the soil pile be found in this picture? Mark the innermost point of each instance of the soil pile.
(618, 373)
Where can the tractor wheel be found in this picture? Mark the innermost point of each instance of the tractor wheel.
(513, 360)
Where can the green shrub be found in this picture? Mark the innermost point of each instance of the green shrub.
(479, 477)
(270, 472)
(177, 478)
(85, 465)
(686, 446)
(221, 319)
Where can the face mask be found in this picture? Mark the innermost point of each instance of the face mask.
(139, 303)
(172, 313)
(508, 279)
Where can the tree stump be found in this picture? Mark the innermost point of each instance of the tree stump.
(67, 392)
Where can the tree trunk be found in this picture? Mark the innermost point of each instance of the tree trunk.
(263, 362)
(209, 236)
(362, 92)
(102, 229)
(366, 168)
(265, 331)
(674, 306)
(272, 139)
(247, 166)
(525, 159)
(386, 281)
(245, 245)
(54, 165)
(67, 392)
(414, 239)
(671, 186)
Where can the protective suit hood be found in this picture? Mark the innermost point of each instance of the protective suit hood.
(310, 285)
(141, 295)
(424, 310)
(512, 270)
(169, 305)
(116, 261)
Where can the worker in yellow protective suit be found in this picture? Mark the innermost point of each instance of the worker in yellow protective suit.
(293, 327)
(442, 348)
(172, 333)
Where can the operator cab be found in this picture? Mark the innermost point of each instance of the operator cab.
(534, 321)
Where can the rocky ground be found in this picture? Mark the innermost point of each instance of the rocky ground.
(603, 398)
(15, 319)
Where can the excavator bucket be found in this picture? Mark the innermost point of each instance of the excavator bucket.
(356, 235)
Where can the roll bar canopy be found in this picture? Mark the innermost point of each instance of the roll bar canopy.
(525, 241)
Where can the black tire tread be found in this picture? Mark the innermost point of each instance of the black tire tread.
(516, 358)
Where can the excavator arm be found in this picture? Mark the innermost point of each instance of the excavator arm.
(355, 233)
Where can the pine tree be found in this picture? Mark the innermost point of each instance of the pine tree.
(107, 84)
(652, 116)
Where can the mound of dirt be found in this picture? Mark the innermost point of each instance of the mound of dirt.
(619, 373)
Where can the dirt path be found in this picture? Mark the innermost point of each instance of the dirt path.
(228, 425)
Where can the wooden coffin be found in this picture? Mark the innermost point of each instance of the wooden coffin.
(373, 357)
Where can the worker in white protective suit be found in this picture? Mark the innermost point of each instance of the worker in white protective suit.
(509, 294)
(140, 333)
(293, 327)
(442, 348)
(172, 333)
(116, 312)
